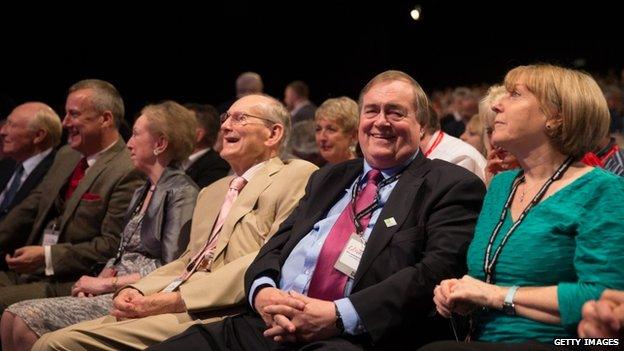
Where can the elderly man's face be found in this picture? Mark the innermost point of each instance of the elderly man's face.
(18, 138)
(244, 144)
(388, 131)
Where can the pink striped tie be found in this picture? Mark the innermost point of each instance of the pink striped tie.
(327, 283)
(203, 259)
(236, 186)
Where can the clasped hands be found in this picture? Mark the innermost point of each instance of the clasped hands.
(130, 303)
(603, 318)
(465, 295)
(293, 317)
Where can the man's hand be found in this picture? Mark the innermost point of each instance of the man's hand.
(272, 296)
(26, 259)
(317, 321)
(129, 303)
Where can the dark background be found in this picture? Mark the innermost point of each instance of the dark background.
(193, 53)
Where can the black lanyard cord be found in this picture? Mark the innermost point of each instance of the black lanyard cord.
(489, 264)
(373, 206)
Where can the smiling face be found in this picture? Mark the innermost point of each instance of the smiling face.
(333, 142)
(83, 123)
(245, 145)
(388, 131)
(142, 145)
(519, 121)
(18, 138)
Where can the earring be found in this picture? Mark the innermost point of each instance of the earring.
(422, 133)
(156, 152)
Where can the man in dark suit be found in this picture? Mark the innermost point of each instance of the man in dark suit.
(297, 101)
(355, 265)
(29, 137)
(205, 166)
(73, 219)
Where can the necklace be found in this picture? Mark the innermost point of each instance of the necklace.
(524, 190)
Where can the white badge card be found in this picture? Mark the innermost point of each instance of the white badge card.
(50, 237)
(351, 255)
(174, 285)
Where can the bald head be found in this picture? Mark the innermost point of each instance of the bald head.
(30, 129)
(254, 131)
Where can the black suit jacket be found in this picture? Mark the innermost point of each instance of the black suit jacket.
(34, 178)
(435, 205)
(451, 126)
(306, 112)
(207, 169)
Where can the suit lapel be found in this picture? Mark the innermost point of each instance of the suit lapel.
(398, 206)
(35, 177)
(246, 201)
(91, 175)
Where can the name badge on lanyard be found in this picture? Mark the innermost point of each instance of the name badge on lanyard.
(50, 236)
(174, 285)
(351, 255)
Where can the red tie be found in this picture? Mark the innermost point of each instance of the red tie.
(76, 177)
(327, 282)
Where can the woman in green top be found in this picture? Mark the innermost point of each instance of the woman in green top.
(549, 236)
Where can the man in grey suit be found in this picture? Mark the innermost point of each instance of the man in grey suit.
(72, 220)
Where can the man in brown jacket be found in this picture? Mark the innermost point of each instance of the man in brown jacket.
(72, 220)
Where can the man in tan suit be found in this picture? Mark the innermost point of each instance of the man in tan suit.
(205, 284)
(72, 220)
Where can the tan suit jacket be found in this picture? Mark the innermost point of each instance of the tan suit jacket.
(258, 211)
(262, 205)
(92, 218)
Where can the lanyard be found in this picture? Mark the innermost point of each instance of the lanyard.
(437, 141)
(373, 206)
(137, 212)
(489, 263)
(614, 148)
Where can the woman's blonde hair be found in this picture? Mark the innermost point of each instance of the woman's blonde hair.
(572, 100)
(177, 124)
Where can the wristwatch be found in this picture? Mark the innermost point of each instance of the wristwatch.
(509, 308)
(339, 323)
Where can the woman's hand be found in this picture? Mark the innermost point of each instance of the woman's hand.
(468, 294)
(92, 286)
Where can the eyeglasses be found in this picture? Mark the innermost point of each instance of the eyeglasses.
(391, 115)
(240, 118)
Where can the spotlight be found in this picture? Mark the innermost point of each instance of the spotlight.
(415, 13)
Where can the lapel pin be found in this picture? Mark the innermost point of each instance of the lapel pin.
(390, 222)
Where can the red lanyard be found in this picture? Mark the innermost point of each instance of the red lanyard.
(609, 153)
(435, 143)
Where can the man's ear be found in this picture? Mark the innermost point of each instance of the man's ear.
(276, 135)
(107, 119)
(200, 133)
(40, 135)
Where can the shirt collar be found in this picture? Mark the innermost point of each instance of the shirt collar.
(389, 172)
(252, 171)
(32, 162)
(93, 158)
(194, 157)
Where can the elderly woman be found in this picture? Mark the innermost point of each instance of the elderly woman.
(549, 237)
(474, 134)
(498, 159)
(156, 231)
(336, 129)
